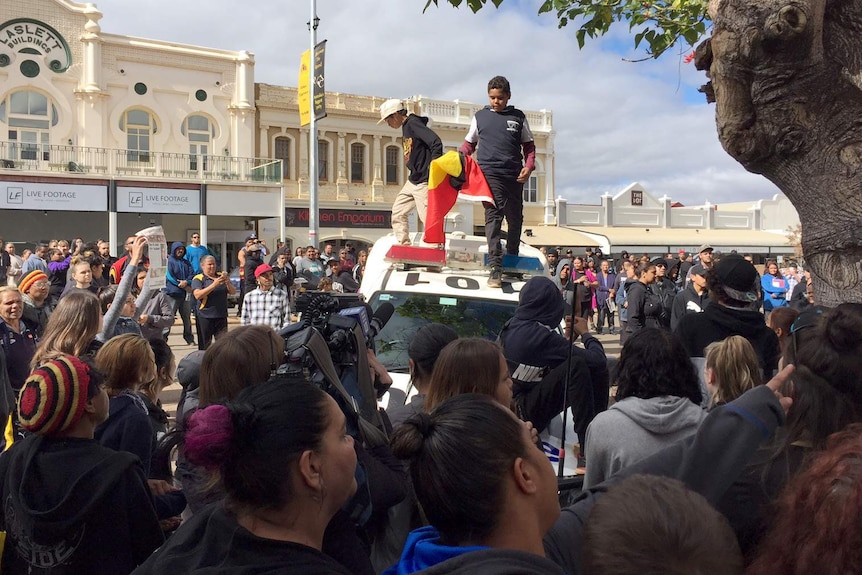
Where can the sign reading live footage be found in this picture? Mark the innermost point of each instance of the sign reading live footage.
(298, 217)
(158, 200)
(24, 37)
(53, 197)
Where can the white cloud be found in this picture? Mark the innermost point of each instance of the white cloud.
(616, 121)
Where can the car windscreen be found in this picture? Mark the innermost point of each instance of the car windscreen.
(469, 317)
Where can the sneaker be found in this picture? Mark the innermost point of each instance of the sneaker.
(495, 280)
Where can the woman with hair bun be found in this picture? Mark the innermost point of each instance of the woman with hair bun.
(287, 464)
(489, 499)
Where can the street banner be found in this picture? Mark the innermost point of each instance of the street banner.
(319, 87)
(303, 91)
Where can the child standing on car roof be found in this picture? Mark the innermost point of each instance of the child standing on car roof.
(507, 156)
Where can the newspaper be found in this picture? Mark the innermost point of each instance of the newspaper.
(157, 252)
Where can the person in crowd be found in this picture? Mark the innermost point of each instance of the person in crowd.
(338, 274)
(120, 318)
(150, 390)
(16, 264)
(34, 292)
(283, 274)
(624, 280)
(657, 403)
(590, 269)
(326, 284)
(36, 261)
(266, 304)
(538, 359)
(816, 527)
(252, 260)
(328, 253)
(155, 311)
(793, 277)
(774, 287)
(195, 251)
(731, 369)
(693, 298)
(644, 308)
(82, 276)
(346, 260)
(671, 530)
(300, 253)
(5, 262)
(803, 294)
(286, 462)
(734, 292)
(604, 294)
(211, 288)
(178, 285)
(100, 279)
(581, 284)
(826, 352)
(310, 266)
(780, 321)
(683, 266)
(664, 290)
(72, 329)
(488, 493)
(18, 341)
(118, 268)
(87, 494)
(359, 268)
(420, 145)
(104, 249)
(58, 266)
(504, 139)
(457, 371)
(553, 257)
(423, 351)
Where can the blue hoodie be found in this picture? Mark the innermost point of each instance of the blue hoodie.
(178, 269)
(422, 550)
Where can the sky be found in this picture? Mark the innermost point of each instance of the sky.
(616, 121)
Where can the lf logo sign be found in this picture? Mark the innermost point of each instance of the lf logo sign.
(136, 199)
(15, 195)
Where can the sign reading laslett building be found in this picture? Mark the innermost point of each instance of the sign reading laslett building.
(25, 40)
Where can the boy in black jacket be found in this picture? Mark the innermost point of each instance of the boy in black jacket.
(70, 505)
(421, 145)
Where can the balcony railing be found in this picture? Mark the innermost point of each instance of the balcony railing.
(18, 156)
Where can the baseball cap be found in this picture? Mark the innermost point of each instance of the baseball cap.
(698, 270)
(389, 107)
(658, 262)
(251, 237)
(704, 247)
(738, 278)
(262, 269)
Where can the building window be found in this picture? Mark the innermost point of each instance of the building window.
(29, 116)
(282, 152)
(531, 190)
(200, 131)
(322, 161)
(139, 126)
(392, 161)
(357, 163)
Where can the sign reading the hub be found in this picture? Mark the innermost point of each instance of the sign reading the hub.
(158, 200)
(53, 197)
(24, 38)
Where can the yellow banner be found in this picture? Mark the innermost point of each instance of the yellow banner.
(304, 91)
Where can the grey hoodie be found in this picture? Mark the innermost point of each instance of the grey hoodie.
(635, 428)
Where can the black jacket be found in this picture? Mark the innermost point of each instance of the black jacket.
(719, 322)
(644, 309)
(421, 145)
(71, 506)
(687, 301)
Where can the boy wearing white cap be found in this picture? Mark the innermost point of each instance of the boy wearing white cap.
(421, 145)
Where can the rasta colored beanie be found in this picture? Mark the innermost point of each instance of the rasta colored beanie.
(31, 278)
(54, 396)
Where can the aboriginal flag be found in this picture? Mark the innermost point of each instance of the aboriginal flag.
(451, 176)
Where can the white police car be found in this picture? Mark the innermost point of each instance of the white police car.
(426, 285)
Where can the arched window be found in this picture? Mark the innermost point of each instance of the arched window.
(357, 163)
(200, 133)
(281, 151)
(139, 126)
(531, 190)
(392, 160)
(28, 115)
(322, 161)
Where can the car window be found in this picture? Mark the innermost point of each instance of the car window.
(469, 317)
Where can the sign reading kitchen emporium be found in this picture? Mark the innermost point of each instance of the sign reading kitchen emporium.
(23, 38)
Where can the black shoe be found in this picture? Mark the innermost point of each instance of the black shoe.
(495, 280)
(598, 332)
(190, 341)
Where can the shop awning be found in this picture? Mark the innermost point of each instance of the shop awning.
(555, 236)
(673, 239)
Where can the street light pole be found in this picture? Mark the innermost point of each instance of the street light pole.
(313, 211)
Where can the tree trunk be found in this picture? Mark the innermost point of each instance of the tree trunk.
(787, 82)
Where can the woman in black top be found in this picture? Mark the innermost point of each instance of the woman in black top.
(211, 289)
(644, 309)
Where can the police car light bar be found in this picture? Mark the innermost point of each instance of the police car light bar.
(416, 256)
